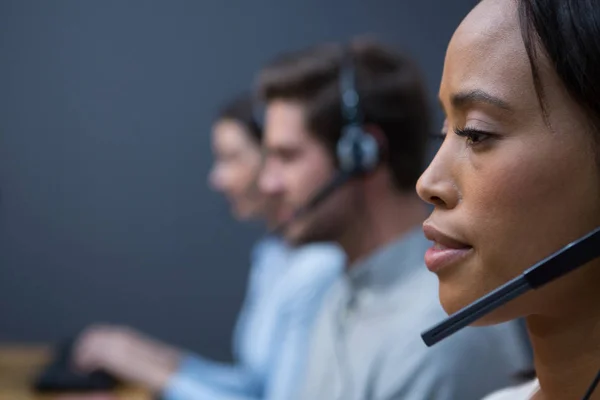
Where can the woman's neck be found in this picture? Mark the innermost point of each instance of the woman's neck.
(567, 348)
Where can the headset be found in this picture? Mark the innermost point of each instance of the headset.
(565, 260)
(357, 151)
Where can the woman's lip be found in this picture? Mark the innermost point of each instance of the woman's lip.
(439, 257)
(445, 250)
(442, 239)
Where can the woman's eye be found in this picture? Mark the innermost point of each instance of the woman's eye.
(472, 136)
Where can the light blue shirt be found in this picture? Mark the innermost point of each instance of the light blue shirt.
(285, 290)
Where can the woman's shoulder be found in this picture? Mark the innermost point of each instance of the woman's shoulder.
(521, 392)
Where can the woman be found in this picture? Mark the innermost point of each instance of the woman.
(284, 289)
(236, 143)
(518, 177)
(268, 342)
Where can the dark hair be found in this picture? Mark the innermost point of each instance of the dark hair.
(568, 33)
(242, 110)
(392, 98)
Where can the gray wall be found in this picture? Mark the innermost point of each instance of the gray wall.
(105, 110)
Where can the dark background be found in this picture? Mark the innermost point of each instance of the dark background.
(105, 112)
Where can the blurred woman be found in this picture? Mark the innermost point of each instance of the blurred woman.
(284, 291)
(236, 144)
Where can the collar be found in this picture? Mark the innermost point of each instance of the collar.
(377, 279)
(390, 263)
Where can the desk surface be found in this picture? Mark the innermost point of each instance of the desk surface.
(19, 364)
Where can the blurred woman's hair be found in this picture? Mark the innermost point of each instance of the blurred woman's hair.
(242, 110)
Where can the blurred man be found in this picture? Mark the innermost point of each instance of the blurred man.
(366, 342)
(284, 292)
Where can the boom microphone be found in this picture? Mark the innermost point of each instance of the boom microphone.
(357, 151)
(567, 259)
(335, 183)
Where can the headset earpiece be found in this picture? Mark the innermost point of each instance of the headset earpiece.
(357, 150)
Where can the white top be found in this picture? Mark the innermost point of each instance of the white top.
(522, 392)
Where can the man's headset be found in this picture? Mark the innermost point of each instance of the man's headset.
(357, 151)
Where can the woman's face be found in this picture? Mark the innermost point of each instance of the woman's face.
(509, 188)
(236, 167)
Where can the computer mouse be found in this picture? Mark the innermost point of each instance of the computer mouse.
(59, 374)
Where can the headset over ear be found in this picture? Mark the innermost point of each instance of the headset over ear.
(357, 150)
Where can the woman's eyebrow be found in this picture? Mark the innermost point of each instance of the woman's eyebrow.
(464, 99)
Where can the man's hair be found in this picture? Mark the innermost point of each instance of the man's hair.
(392, 98)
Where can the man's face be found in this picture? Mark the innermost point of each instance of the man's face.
(296, 167)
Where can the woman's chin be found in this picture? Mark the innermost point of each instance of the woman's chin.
(242, 213)
(452, 303)
(455, 300)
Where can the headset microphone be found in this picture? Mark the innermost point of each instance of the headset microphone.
(338, 181)
(357, 151)
(567, 259)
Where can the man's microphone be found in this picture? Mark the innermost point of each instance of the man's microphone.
(358, 152)
(567, 259)
(335, 183)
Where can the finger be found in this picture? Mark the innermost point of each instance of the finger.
(89, 349)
